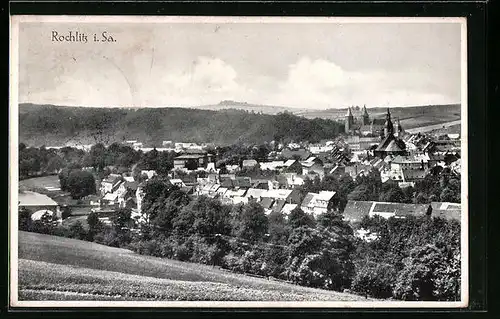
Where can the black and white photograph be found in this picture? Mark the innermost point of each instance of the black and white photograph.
(181, 161)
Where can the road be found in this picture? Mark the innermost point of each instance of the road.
(429, 128)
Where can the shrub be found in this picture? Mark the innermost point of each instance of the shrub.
(77, 231)
(24, 219)
(374, 279)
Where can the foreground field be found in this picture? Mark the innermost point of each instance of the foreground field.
(54, 268)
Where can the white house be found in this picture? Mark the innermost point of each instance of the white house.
(317, 203)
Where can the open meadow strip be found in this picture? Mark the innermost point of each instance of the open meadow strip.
(51, 266)
(63, 280)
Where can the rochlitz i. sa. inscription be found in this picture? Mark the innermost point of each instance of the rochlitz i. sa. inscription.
(82, 37)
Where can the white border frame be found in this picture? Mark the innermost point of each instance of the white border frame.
(15, 20)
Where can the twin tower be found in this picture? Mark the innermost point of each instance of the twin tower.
(385, 129)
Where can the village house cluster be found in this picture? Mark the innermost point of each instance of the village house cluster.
(274, 182)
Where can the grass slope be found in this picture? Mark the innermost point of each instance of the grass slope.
(62, 269)
(410, 117)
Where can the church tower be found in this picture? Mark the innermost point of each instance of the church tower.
(399, 129)
(349, 120)
(389, 128)
(366, 117)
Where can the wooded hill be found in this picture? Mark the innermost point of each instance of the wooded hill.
(51, 125)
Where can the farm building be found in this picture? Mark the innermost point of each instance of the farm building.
(38, 204)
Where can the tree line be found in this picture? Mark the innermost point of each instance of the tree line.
(49, 125)
(409, 259)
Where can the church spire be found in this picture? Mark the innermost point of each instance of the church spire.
(399, 129)
(349, 120)
(366, 117)
(389, 128)
(349, 113)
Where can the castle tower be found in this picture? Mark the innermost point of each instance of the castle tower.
(389, 128)
(366, 117)
(349, 120)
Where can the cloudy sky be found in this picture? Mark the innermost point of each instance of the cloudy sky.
(306, 65)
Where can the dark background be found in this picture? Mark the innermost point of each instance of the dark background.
(483, 86)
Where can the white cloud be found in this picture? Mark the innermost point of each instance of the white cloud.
(323, 84)
(308, 83)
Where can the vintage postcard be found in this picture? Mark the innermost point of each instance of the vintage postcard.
(238, 162)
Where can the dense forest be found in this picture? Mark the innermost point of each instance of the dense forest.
(56, 125)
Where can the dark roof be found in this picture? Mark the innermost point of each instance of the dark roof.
(226, 182)
(267, 202)
(278, 206)
(307, 199)
(447, 214)
(242, 181)
(302, 153)
(390, 144)
(187, 189)
(413, 174)
(401, 209)
(132, 185)
(354, 211)
(193, 151)
(189, 156)
(112, 179)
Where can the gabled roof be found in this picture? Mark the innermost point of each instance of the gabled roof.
(325, 195)
(289, 162)
(112, 179)
(393, 147)
(267, 203)
(278, 205)
(287, 208)
(307, 202)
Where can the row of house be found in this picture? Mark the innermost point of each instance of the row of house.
(355, 211)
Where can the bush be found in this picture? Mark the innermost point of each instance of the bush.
(209, 252)
(24, 219)
(275, 258)
(110, 237)
(77, 231)
(374, 279)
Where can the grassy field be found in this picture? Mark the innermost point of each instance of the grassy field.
(41, 182)
(55, 268)
(410, 117)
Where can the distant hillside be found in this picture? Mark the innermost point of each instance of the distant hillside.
(257, 108)
(410, 116)
(58, 125)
